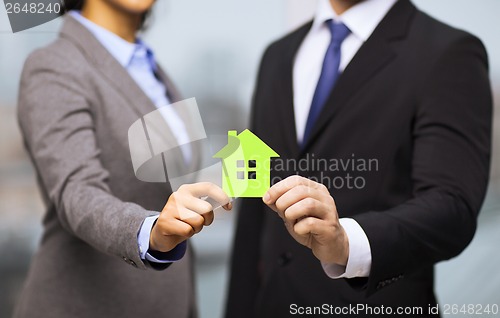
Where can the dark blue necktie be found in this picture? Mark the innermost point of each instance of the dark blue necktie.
(329, 75)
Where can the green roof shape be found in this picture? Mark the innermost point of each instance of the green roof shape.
(249, 140)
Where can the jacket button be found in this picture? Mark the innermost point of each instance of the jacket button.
(285, 259)
(129, 261)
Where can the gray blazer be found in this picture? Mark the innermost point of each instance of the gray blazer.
(76, 104)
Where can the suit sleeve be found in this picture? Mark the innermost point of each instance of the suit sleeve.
(58, 129)
(450, 168)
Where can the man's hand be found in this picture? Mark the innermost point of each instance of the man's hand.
(185, 214)
(310, 216)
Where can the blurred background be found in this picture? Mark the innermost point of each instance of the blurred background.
(212, 50)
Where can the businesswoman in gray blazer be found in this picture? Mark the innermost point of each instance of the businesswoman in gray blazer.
(111, 247)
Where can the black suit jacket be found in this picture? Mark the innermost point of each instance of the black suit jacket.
(416, 98)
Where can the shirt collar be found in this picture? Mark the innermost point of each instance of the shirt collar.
(361, 19)
(120, 49)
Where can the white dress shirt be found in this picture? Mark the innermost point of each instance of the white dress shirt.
(361, 19)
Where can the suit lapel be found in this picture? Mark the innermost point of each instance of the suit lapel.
(184, 114)
(285, 99)
(107, 65)
(120, 79)
(373, 56)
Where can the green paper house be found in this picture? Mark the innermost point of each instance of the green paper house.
(246, 165)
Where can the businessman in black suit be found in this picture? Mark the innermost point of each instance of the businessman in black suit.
(391, 111)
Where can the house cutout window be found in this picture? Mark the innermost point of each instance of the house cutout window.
(249, 170)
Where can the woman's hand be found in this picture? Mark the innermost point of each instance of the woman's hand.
(185, 214)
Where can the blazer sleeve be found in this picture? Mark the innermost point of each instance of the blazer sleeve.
(450, 168)
(58, 129)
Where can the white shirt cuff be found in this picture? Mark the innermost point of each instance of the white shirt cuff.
(144, 233)
(360, 256)
(150, 258)
(143, 242)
